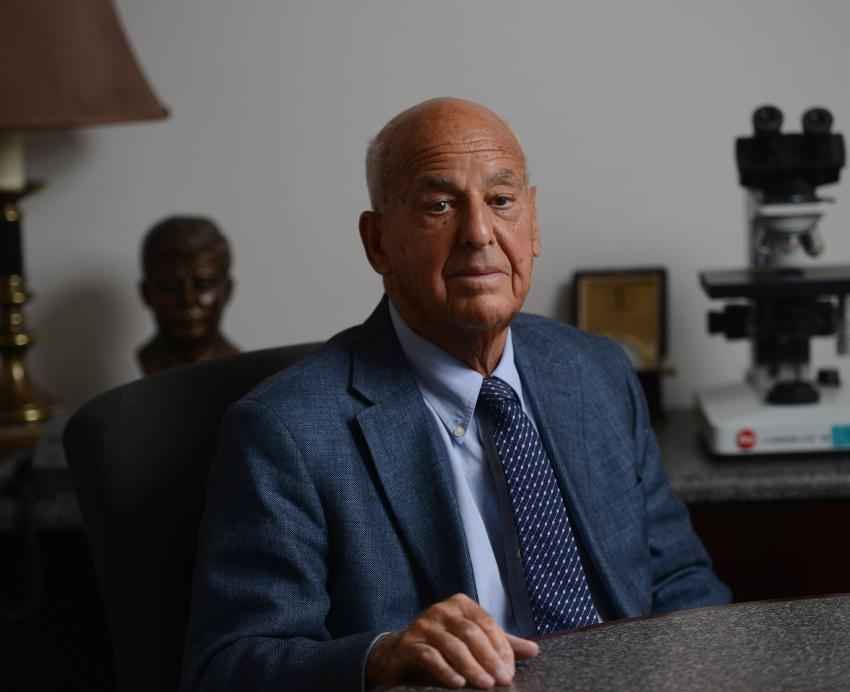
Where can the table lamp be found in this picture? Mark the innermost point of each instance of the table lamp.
(63, 64)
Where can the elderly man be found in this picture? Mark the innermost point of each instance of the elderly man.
(446, 479)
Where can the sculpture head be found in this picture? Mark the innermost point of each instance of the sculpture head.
(186, 263)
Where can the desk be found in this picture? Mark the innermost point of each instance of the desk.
(788, 645)
(773, 525)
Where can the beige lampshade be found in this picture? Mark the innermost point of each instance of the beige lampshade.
(67, 63)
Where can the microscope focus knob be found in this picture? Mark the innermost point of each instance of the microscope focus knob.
(829, 377)
(733, 322)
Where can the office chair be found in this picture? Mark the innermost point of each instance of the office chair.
(138, 457)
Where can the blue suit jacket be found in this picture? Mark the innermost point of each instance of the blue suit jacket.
(331, 516)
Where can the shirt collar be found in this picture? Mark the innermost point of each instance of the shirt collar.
(448, 384)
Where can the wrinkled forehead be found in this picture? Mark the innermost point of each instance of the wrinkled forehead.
(438, 136)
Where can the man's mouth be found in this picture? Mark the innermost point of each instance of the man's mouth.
(477, 272)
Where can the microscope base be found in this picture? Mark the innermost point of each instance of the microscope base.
(735, 420)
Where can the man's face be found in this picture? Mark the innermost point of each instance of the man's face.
(458, 234)
(187, 294)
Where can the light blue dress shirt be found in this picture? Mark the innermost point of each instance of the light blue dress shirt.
(450, 389)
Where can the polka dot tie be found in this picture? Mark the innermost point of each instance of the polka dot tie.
(557, 587)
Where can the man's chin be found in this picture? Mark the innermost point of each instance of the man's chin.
(484, 318)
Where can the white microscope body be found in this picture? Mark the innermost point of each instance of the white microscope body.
(782, 300)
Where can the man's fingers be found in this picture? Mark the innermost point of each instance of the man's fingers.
(433, 662)
(470, 640)
(469, 658)
(490, 627)
(487, 642)
(457, 642)
(523, 648)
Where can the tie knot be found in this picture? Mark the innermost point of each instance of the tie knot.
(495, 392)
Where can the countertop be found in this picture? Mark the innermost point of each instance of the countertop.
(698, 476)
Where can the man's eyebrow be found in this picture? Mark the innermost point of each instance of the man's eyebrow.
(433, 182)
(506, 175)
(441, 182)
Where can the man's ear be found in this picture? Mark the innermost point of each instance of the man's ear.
(372, 237)
(535, 230)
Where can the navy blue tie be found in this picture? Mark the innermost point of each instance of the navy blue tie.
(557, 587)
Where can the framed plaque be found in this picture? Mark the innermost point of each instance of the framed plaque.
(628, 305)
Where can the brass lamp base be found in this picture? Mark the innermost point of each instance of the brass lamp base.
(22, 405)
(20, 400)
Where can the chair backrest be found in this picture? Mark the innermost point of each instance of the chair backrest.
(139, 456)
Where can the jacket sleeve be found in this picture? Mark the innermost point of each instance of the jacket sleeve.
(259, 601)
(682, 574)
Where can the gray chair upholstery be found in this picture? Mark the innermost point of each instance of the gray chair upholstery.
(138, 456)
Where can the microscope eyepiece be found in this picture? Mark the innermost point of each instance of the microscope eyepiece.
(767, 120)
(817, 121)
(789, 167)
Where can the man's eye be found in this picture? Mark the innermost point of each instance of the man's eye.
(439, 207)
(502, 201)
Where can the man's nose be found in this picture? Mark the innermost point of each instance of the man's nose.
(477, 225)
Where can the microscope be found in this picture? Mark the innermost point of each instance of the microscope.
(783, 300)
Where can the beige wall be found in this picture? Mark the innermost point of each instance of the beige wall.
(627, 110)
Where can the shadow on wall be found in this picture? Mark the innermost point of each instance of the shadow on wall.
(52, 155)
(563, 304)
(83, 348)
(83, 327)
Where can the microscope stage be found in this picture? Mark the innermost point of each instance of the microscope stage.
(812, 282)
(734, 420)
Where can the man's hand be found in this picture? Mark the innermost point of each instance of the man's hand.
(456, 641)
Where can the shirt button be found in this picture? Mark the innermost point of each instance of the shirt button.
(458, 431)
(518, 555)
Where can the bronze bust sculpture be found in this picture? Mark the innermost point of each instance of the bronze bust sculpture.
(186, 264)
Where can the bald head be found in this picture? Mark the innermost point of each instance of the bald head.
(395, 148)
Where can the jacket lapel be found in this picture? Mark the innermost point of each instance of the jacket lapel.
(411, 465)
(552, 386)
